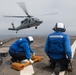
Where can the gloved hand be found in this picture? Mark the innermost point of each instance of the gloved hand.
(24, 61)
(70, 66)
(31, 61)
(70, 61)
(33, 54)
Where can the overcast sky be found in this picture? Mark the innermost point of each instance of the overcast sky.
(66, 10)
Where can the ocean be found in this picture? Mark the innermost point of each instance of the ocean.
(3, 37)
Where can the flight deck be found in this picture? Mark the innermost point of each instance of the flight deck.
(38, 68)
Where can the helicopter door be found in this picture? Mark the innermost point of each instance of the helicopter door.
(30, 20)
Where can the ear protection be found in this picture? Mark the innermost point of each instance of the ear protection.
(59, 27)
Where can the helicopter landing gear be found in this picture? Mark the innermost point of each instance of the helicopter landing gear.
(35, 27)
(28, 26)
(16, 31)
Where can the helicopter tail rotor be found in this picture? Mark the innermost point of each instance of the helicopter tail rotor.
(13, 25)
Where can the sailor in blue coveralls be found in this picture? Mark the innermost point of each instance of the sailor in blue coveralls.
(58, 46)
(20, 50)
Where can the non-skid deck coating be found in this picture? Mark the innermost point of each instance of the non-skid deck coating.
(40, 68)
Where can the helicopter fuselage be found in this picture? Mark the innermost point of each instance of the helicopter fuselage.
(27, 23)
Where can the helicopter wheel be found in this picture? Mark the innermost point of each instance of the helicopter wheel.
(16, 31)
(28, 26)
(35, 27)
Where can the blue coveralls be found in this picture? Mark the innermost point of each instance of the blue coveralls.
(21, 49)
(58, 46)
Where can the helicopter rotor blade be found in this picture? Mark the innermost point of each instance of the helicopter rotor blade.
(32, 16)
(15, 16)
(48, 14)
(23, 7)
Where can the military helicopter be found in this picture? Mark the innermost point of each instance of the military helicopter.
(28, 22)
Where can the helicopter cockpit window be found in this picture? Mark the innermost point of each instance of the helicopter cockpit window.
(24, 21)
(36, 20)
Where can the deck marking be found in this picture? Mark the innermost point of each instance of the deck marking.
(73, 48)
(28, 70)
(4, 49)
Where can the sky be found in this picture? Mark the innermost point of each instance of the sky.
(66, 10)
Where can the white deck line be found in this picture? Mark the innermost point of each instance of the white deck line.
(28, 70)
(4, 50)
(73, 47)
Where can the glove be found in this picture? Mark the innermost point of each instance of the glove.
(31, 61)
(33, 54)
(24, 61)
(70, 67)
(70, 61)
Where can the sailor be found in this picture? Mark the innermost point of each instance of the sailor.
(58, 47)
(20, 50)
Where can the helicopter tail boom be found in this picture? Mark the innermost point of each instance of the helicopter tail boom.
(11, 29)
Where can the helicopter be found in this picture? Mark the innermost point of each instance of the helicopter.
(28, 22)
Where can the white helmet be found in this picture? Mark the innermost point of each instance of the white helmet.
(30, 39)
(59, 27)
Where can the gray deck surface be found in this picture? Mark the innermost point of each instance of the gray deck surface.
(40, 68)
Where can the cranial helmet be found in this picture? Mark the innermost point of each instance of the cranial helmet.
(30, 39)
(59, 27)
